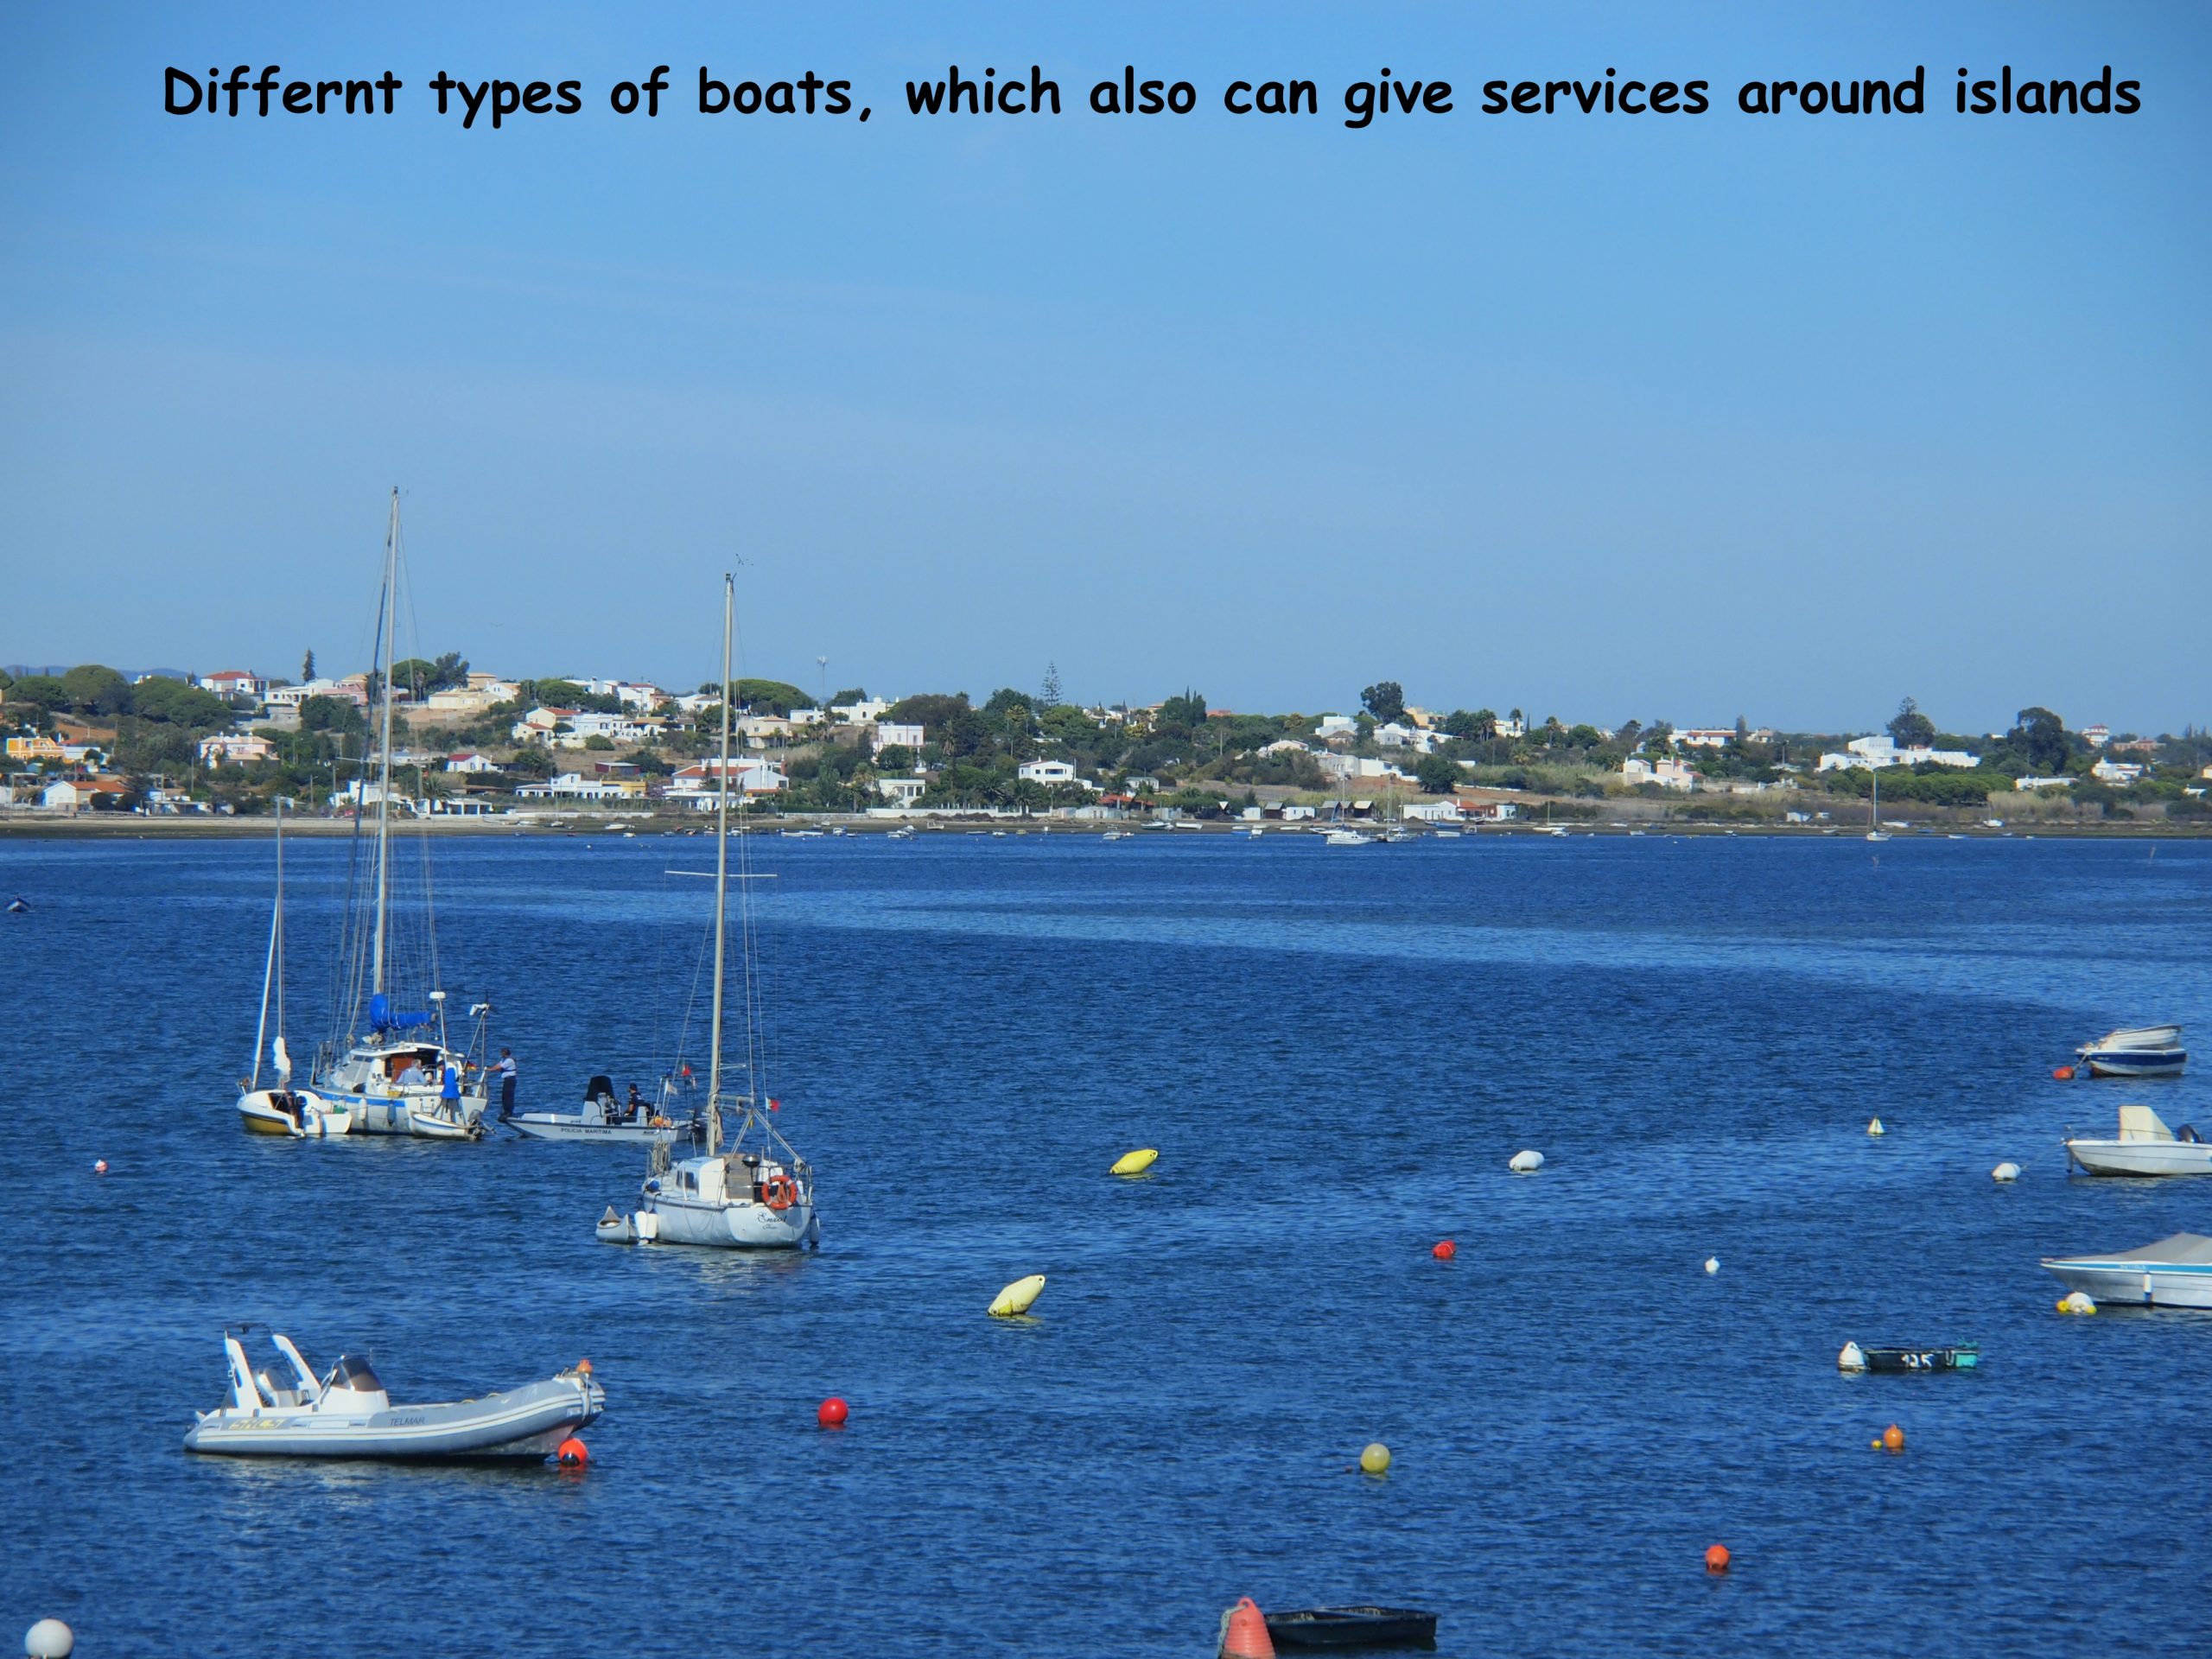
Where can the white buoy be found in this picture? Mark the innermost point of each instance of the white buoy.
(2079, 1302)
(1526, 1163)
(1852, 1358)
(1874, 1126)
(50, 1639)
(1712, 1264)
(2006, 1172)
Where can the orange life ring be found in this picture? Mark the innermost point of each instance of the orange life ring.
(779, 1191)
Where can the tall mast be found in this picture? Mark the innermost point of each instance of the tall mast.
(721, 878)
(384, 743)
(269, 967)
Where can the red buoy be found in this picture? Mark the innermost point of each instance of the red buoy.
(832, 1413)
(1445, 1250)
(1716, 1558)
(2064, 1074)
(1244, 1632)
(572, 1453)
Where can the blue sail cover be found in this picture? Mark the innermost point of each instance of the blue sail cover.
(382, 1018)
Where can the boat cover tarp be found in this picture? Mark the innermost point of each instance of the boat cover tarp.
(384, 1017)
(2190, 1248)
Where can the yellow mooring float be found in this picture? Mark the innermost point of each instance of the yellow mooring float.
(1135, 1163)
(1014, 1299)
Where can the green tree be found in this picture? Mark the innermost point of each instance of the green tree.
(2040, 736)
(1385, 700)
(851, 694)
(1187, 711)
(1438, 774)
(175, 703)
(598, 740)
(769, 696)
(1910, 728)
(321, 714)
(307, 666)
(41, 691)
(930, 710)
(1048, 695)
(95, 688)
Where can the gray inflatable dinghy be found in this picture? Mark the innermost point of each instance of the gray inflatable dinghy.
(348, 1415)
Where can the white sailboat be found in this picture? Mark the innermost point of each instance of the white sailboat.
(390, 1066)
(754, 1193)
(300, 1113)
(1874, 830)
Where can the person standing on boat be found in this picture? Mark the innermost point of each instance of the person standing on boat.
(506, 1082)
(449, 1091)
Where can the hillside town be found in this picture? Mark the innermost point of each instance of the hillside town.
(466, 744)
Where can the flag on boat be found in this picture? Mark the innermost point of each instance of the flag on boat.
(775, 1105)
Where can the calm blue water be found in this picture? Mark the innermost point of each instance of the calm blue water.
(1336, 1052)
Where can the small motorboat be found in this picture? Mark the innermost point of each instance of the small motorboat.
(2145, 1146)
(1352, 1627)
(603, 1118)
(2143, 1052)
(300, 1113)
(348, 1415)
(19, 906)
(1963, 1356)
(1346, 838)
(2175, 1272)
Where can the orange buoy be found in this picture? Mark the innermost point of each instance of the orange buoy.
(1445, 1250)
(583, 1368)
(832, 1413)
(2064, 1074)
(1893, 1438)
(572, 1453)
(1716, 1558)
(1244, 1632)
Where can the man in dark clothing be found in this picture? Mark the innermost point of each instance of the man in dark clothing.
(506, 1082)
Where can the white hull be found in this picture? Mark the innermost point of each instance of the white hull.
(2133, 1157)
(261, 1113)
(426, 1115)
(742, 1225)
(2145, 1284)
(567, 1125)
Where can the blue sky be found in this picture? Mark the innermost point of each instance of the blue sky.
(1606, 417)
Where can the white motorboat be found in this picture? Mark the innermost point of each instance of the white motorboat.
(602, 1118)
(755, 1192)
(349, 1414)
(2145, 1146)
(1346, 838)
(2141, 1052)
(2174, 1272)
(299, 1113)
(395, 1069)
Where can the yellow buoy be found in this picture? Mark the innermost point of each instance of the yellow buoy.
(1135, 1163)
(1376, 1459)
(1016, 1296)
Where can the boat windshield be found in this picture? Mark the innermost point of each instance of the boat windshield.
(352, 1371)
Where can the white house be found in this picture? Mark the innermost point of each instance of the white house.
(1877, 751)
(1433, 811)
(2115, 771)
(866, 712)
(1506, 725)
(84, 794)
(901, 791)
(891, 734)
(353, 688)
(2042, 783)
(1052, 773)
(694, 785)
(1706, 737)
(538, 725)
(233, 748)
(615, 728)
(1669, 771)
(1393, 736)
(575, 786)
(1336, 726)
(469, 762)
(2096, 736)
(236, 683)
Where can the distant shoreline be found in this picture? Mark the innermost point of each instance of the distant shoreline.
(129, 827)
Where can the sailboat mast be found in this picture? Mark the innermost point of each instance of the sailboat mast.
(721, 879)
(269, 967)
(383, 743)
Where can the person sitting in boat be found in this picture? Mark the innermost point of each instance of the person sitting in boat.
(410, 1075)
(633, 1106)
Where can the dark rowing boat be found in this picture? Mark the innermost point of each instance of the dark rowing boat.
(1352, 1627)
